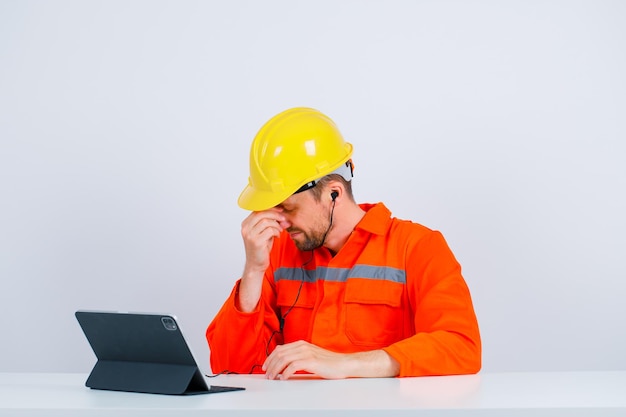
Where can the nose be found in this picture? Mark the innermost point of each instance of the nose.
(285, 224)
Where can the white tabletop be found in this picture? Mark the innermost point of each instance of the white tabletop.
(491, 394)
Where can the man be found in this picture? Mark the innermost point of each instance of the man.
(331, 287)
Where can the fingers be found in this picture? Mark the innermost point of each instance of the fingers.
(284, 361)
(263, 225)
(288, 359)
(260, 222)
(258, 231)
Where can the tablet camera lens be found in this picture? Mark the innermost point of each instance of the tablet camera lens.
(168, 323)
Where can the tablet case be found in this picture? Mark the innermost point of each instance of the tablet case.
(142, 352)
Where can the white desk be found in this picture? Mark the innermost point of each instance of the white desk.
(498, 394)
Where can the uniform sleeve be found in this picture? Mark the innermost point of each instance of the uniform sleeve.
(447, 338)
(238, 341)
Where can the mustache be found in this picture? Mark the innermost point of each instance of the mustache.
(293, 230)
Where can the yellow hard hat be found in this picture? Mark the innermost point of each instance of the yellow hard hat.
(293, 149)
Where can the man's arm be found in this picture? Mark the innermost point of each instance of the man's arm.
(258, 231)
(245, 326)
(447, 338)
(238, 340)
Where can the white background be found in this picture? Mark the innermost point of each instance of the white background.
(125, 129)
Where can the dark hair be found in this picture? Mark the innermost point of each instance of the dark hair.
(322, 182)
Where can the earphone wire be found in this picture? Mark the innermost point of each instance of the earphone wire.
(281, 319)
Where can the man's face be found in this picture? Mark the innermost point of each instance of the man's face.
(307, 220)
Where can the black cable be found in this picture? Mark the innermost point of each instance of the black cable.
(281, 320)
(227, 372)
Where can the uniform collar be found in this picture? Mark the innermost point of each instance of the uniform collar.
(377, 219)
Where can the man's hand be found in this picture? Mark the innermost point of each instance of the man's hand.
(287, 359)
(258, 231)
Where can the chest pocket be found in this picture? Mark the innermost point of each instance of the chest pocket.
(374, 313)
(296, 308)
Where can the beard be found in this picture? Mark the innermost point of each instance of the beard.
(313, 239)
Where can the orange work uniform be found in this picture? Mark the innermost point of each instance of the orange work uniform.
(395, 285)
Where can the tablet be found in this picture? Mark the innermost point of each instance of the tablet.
(142, 352)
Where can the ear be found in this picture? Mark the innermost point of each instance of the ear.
(334, 190)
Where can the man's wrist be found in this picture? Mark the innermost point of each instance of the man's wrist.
(374, 364)
(248, 295)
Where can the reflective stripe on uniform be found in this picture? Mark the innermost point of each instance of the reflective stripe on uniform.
(383, 273)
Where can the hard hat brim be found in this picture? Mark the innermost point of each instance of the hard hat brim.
(257, 200)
